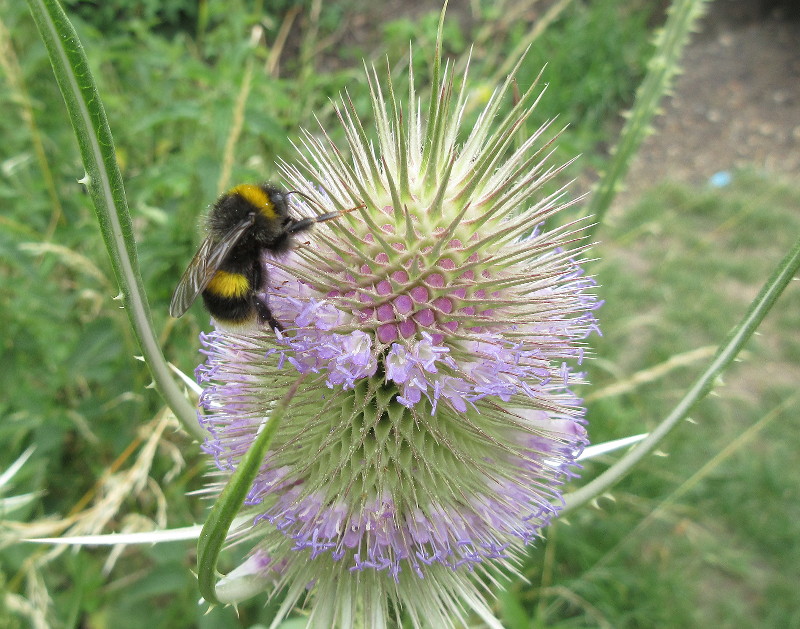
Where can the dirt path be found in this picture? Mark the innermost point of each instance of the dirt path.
(737, 103)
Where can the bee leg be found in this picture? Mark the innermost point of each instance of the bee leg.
(265, 314)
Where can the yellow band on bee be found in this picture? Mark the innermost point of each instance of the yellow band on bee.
(225, 284)
(256, 197)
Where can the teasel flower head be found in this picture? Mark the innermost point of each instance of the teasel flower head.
(439, 328)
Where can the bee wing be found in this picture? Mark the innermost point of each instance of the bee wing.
(204, 264)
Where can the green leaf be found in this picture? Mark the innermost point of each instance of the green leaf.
(215, 529)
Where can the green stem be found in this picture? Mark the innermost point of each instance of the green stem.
(104, 183)
(759, 308)
(661, 69)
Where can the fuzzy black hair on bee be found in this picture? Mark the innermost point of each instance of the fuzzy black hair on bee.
(227, 270)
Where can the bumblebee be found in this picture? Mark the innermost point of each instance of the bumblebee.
(244, 222)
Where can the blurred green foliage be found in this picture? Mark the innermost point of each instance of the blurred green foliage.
(165, 17)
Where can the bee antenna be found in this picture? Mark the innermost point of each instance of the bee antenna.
(353, 209)
(331, 215)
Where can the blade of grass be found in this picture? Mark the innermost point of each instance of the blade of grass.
(113, 539)
(651, 374)
(758, 309)
(104, 182)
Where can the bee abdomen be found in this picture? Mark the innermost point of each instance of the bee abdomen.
(229, 298)
(229, 285)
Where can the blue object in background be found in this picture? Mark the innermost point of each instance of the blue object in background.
(720, 179)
